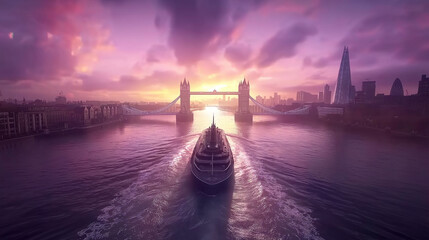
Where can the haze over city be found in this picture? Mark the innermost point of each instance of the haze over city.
(139, 50)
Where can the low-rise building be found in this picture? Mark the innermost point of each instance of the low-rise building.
(19, 121)
(7, 124)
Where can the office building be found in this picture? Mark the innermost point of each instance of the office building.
(368, 89)
(342, 89)
(423, 86)
(397, 89)
(327, 94)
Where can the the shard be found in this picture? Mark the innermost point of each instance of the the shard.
(344, 81)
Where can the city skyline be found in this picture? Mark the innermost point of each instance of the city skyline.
(97, 52)
(214, 119)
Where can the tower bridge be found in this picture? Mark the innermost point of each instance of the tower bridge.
(214, 92)
(243, 113)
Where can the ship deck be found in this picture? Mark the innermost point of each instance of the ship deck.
(212, 164)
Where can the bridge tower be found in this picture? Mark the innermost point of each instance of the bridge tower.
(243, 113)
(185, 114)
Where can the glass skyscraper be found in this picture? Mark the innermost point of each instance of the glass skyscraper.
(344, 81)
(397, 89)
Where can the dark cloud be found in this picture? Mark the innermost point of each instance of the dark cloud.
(160, 22)
(402, 33)
(335, 59)
(199, 27)
(238, 54)
(156, 81)
(283, 44)
(22, 59)
(44, 34)
(29, 54)
(117, 1)
(304, 7)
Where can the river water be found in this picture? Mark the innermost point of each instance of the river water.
(292, 181)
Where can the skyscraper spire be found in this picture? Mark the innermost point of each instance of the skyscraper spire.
(344, 81)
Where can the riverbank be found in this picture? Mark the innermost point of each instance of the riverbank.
(14, 142)
(79, 129)
(386, 131)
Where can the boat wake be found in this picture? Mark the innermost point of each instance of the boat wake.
(260, 208)
(159, 206)
(138, 210)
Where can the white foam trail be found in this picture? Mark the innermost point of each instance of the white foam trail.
(139, 209)
(260, 208)
(239, 137)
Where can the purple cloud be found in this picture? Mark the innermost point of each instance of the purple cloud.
(157, 80)
(283, 44)
(199, 27)
(29, 54)
(44, 34)
(402, 33)
(238, 54)
(158, 53)
(320, 62)
(26, 58)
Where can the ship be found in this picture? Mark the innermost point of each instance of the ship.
(212, 163)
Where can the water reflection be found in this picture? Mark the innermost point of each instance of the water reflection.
(183, 128)
(292, 181)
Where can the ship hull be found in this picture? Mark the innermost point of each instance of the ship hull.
(213, 182)
(210, 189)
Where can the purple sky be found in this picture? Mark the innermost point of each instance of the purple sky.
(141, 50)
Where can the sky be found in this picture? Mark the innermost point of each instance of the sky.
(140, 50)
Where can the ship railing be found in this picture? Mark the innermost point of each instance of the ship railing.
(212, 170)
(215, 162)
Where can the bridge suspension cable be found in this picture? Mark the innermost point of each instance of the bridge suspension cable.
(137, 112)
(304, 110)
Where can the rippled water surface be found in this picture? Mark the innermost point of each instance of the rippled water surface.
(292, 181)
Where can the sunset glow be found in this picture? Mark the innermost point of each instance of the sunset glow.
(214, 119)
(141, 50)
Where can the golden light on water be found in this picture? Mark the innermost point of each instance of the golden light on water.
(212, 109)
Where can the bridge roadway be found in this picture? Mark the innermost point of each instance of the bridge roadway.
(214, 93)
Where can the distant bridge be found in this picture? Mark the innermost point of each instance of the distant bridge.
(214, 92)
(243, 113)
